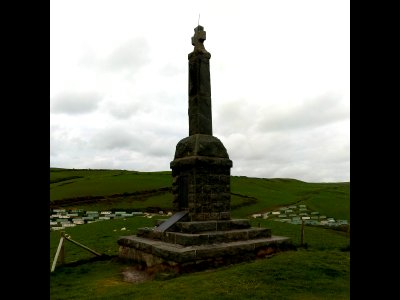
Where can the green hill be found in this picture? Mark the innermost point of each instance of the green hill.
(130, 190)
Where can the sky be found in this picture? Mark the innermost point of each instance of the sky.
(280, 84)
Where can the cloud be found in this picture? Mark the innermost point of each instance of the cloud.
(123, 109)
(148, 142)
(235, 116)
(169, 70)
(115, 138)
(325, 109)
(75, 103)
(241, 116)
(129, 56)
(64, 142)
(271, 111)
(313, 154)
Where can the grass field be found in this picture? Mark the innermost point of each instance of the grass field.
(319, 271)
(333, 199)
(69, 183)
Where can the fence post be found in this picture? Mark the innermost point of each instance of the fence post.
(60, 246)
(62, 251)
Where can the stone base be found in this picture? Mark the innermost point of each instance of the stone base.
(189, 246)
(201, 178)
(158, 254)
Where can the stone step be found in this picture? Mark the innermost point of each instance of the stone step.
(206, 226)
(152, 252)
(208, 237)
(215, 237)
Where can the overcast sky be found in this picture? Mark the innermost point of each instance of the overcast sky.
(280, 84)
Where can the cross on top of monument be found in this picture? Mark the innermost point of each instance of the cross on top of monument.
(198, 39)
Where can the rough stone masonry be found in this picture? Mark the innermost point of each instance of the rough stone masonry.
(201, 166)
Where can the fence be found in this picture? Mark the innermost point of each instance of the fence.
(60, 253)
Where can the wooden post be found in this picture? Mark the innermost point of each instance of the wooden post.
(62, 251)
(83, 246)
(60, 245)
(302, 233)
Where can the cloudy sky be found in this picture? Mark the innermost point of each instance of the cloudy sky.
(280, 84)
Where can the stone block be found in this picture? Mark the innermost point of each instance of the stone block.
(216, 237)
(185, 239)
(236, 235)
(163, 253)
(223, 225)
(145, 247)
(183, 256)
(168, 237)
(197, 217)
(214, 216)
(257, 233)
(212, 252)
(225, 215)
(195, 227)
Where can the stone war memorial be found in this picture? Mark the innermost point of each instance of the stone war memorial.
(200, 234)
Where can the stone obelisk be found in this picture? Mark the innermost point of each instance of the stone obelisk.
(201, 166)
(201, 233)
(200, 118)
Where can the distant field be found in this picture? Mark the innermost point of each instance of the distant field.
(249, 195)
(75, 183)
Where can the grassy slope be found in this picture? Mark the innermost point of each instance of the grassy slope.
(304, 274)
(331, 199)
(320, 272)
(103, 183)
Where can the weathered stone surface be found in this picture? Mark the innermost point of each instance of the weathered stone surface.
(136, 255)
(217, 225)
(200, 119)
(149, 233)
(178, 254)
(200, 145)
(213, 236)
(237, 235)
(144, 231)
(201, 186)
(195, 227)
(258, 233)
(201, 166)
(169, 237)
(197, 257)
(191, 239)
(235, 224)
(198, 42)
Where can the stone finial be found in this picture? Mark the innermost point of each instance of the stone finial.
(198, 39)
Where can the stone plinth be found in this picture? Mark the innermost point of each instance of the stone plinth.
(198, 245)
(153, 252)
(201, 178)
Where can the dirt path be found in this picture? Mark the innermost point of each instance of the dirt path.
(133, 275)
